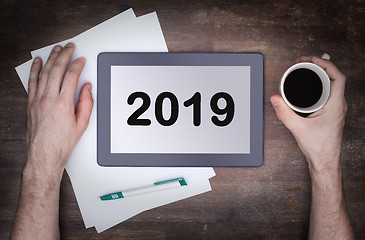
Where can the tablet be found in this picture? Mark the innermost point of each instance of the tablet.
(180, 109)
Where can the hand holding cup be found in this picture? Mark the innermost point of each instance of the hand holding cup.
(319, 135)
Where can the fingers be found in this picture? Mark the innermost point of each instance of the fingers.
(72, 78)
(58, 69)
(329, 67)
(304, 59)
(84, 108)
(338, 79)
(44, 75)
(290, 119)
(33, 79)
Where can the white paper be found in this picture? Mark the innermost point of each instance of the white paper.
(122, 18)
(23, 71)
(121, 33)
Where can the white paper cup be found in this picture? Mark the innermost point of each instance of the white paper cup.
(325, 87)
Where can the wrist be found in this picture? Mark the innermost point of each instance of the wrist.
(325, 171)
(36, 179)
(41, 172)
(328, 162)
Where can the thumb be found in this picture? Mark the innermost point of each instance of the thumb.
(84, 108)
(285, 113)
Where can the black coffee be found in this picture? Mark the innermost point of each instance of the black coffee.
(303, 87)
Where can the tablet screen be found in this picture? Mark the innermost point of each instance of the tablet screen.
(180, 109)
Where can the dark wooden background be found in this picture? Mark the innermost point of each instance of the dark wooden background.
(270, 202)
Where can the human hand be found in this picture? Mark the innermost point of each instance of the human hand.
(53, 125)
(319, 135)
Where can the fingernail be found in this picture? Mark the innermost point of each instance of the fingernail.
(57, 48)
(274, 102)
(69, 45)
(36, 60)
(326, 56)
(89, 88)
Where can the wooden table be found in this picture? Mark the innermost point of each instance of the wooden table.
(270, 202)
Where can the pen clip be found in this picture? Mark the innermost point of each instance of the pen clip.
(180, 179)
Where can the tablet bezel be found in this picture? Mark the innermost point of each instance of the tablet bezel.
(108, 59)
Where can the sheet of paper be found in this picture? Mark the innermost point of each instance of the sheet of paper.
(121, 33)
(23, 73)
(23, 69)
(122, 18)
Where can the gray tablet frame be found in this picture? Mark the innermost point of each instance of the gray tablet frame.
(108, 59)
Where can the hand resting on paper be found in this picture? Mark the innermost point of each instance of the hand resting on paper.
(319, 136)
(53, 130)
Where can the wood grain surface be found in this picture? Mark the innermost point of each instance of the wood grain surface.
(270, 202)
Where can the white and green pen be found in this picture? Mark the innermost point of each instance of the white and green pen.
(157, 186)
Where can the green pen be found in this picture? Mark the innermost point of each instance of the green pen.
(157, 186)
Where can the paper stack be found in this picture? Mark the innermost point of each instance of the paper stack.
(122, 33)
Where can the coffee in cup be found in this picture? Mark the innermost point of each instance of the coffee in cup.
(305, 87)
